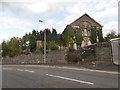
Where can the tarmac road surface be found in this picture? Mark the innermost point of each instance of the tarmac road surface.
(53, 77)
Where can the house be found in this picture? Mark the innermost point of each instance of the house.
(85, 23)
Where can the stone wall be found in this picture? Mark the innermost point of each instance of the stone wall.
(24, 59)
(103, 51)
(56, 57)
(53, 57)
(99, 53)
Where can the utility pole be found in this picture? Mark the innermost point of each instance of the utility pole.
(44, 59)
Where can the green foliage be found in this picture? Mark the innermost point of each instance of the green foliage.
(52, 45)
(24, 41)
(34, 33)
(79, 36)
(93, 36)
(71, 35)
(110, 35)
(71, 49)
(5, 49)
(11, 48)
(54, 32)
(67, 36)
(41, 33)
(32, 44)
(47, 31)
(100, 35)
(14, 47)
(28, 42)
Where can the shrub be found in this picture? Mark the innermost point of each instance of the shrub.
(71, 49)
(51, 45)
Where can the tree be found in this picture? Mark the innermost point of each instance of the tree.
(100, 35)
(54, 32)
(110, 35)
(5, 49)
(78, 36)
(72, 35)
(28, 42)
(34, 33)
(67, 36)
(41, 33)
(93, 36)
(14, 47)
(52, 45)
(48, 32)
(25, 43)
(32, 44)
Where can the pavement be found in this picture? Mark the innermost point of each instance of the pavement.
(58, 76)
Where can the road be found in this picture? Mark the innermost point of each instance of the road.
(52, 77)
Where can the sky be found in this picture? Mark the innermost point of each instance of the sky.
(18, 17)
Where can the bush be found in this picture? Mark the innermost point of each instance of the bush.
(51, 45)
(72, 57)
(71, 49)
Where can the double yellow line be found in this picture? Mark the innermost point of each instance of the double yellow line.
(65, 67)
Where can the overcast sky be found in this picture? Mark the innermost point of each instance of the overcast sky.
(20, 16)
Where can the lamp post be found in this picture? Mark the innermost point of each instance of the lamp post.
(44, 59)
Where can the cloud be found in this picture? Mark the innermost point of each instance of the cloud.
(70, 18)
(36, 7)
(13, 23)
(103, 11)
(106, 3)
(106, 15)
(99, 9)
(10, 27)
(52, 23)
(108, 27)
(46, 7)
(5, 37)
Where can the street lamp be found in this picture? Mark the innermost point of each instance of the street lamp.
(44, 59)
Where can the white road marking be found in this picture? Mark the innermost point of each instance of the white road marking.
(20, 70)
(28, 71)
(7, 68)
(71, 79)
(25, 70)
